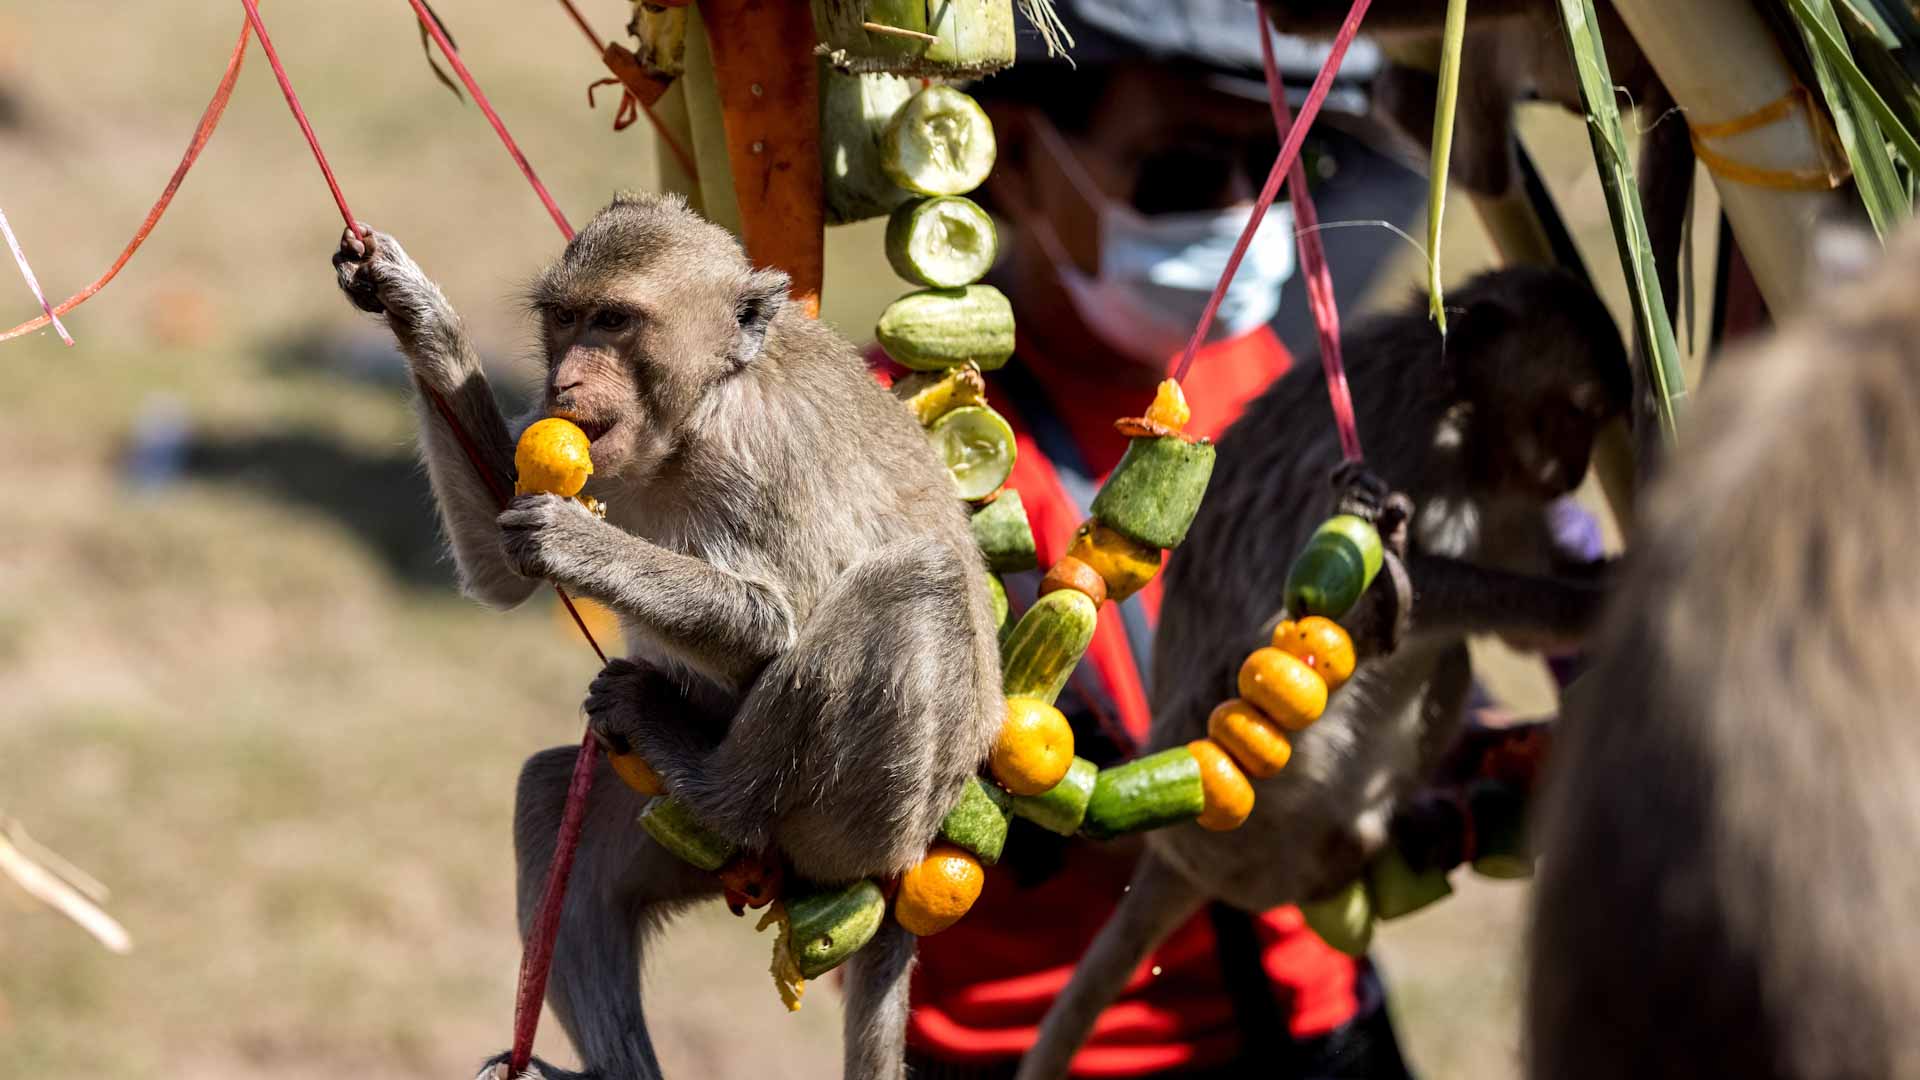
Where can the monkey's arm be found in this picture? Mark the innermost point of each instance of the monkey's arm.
(722, 624)
(442, 361)
(1454, 597)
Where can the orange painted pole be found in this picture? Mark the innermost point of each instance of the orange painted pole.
(769, 93)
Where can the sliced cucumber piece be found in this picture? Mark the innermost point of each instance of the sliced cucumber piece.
(947, 328)
(832, 924)
(1146, 793)
(1004, 534)
(944, 242)
(939, 143)
(668, 821)
(1398, 889)
(998, 592)
(854, 113)
(1343, 920)
(1063, 807)
(978, 822)
(977, 446)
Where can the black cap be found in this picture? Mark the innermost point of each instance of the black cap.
(1222, 36)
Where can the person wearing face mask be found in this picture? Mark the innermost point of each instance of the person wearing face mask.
(1122, 185)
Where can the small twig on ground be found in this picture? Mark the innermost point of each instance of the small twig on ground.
(50, 885)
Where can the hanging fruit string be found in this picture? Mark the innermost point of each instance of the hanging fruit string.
(26, 271)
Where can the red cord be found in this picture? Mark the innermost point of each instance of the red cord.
(536, 958)
(1313, 261)
(581, 22)
(460, 68)
(1322, 84)
(208, 121)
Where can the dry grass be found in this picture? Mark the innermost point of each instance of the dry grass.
(250, 702)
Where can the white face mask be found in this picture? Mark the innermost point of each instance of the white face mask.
(1157, 271)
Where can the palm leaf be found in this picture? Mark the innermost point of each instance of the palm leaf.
(1449, 93)
(1873, 173)
(1610, 157)
(1826, 43)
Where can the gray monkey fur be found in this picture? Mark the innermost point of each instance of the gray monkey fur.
(1464, 431)
(1729, 820)
(813, 661)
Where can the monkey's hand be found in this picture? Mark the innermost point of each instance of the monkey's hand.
(386, 281)
(556, 539)
(496, 1069)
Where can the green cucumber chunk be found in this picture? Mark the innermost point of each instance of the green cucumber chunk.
(1499, 814)
(978, 822)
(1337, 564)
(969, 38)
(1063, 807)
(935, 329)
(1398, 889)
(944, 242)
(1004, 534)
(1041, 651)
(1343, 920)
(997, 595)
(854, 113)
(1147, 793)
(830, 925)
(668, 821)
(939, 143)
(1156, 489)
(977, 446)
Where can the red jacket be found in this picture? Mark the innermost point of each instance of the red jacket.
(982, 987)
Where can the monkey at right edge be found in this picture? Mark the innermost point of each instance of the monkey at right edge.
(1483, 430)
(1729, 883)
(813, 663)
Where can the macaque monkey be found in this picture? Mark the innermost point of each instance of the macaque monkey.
(1483, 431)
(1728, 881)
(813, 662)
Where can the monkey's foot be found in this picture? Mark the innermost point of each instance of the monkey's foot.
(496, 1069)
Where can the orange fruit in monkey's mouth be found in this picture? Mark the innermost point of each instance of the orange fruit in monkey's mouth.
(552, 459)
(1035, 747)
(935, 894)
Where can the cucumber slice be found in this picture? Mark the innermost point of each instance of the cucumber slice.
(998, 593)
(939, 143)
(978, 822)
(1334, 568)
(1343, 920)
(1499, 815)
(1398, 889)
(854, 113)
(948, 328)
(1156, 489)
(977, 446)
(929, 395)
(1063, 807)
(1040, 652)
(1004, 534)
(1147, 793)
(830, 925)
(668, 821)
(944, 242)
(969, 38)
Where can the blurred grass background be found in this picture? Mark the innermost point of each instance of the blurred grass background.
(250, 701)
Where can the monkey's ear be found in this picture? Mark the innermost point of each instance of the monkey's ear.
(760, 301)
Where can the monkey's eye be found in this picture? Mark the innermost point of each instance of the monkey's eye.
(611, 320)
(562, 316)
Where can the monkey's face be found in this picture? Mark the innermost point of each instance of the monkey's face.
(650, 312)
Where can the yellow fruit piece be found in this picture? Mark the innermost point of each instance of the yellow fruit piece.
(1322, 643)
(929, 395)
(552, 459)
(1256, 742)
(1284, 687)
(1035, 747)
(787, 980)
(1169, 406)
(1229, 795)
(639, 775)
(1126, 565)
(935, 894)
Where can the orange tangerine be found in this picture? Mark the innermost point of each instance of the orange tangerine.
(551, 458)
(936, 893)
(1256, 742)
(1035, 747)
(1284, 687)
(1229, 796)
(639, 775)
(1322, 643)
